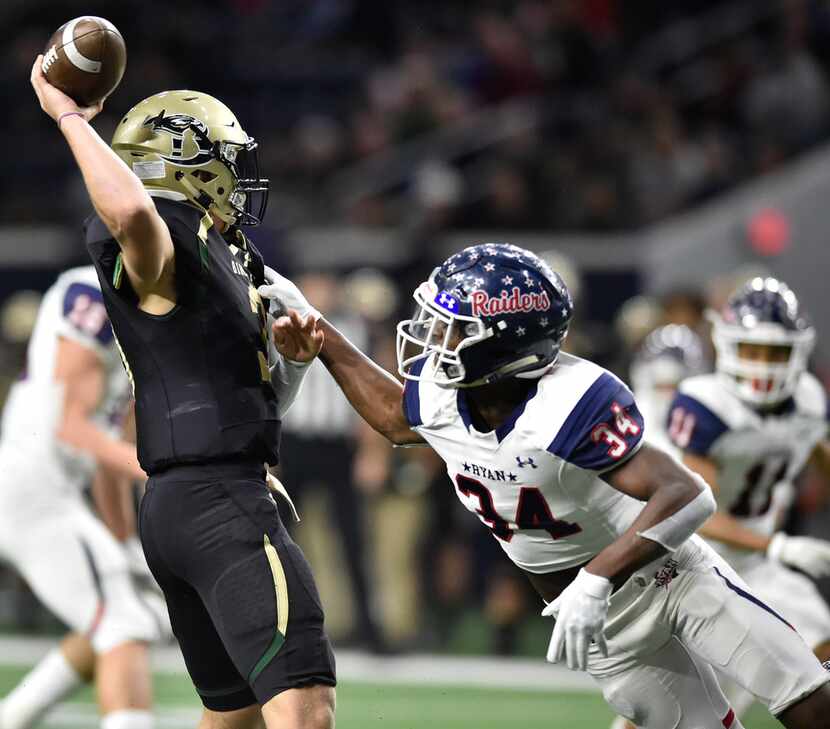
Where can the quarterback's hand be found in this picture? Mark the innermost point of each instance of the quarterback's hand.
(295, 339)
(805, 553)
(53, 101)
(285, 291)
(580, 616)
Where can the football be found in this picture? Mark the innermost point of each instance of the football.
(85, 58)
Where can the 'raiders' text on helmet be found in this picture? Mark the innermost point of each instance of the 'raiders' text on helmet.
(490, 312)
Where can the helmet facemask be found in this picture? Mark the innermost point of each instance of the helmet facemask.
(249, 197)
(436, 332)
(758, 382)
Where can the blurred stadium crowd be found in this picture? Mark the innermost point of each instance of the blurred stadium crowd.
(590, 115)
(518, 114)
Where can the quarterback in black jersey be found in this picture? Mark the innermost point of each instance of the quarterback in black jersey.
(179, 280)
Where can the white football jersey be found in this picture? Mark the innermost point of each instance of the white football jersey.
(654, 407)
(72, 308)
(535, 481)
(757, 455)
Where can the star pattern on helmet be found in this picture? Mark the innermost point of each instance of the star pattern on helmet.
(478, 281)
(543, 320)
(451, 267)
(520, 331)
(564, 310)
(507, 280)
(489, 267)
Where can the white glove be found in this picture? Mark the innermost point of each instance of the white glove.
(805, 553)
(580, 616)
(285, 291)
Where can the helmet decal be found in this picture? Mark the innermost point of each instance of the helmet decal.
(447, 301)
(177, 125)
(508, 302)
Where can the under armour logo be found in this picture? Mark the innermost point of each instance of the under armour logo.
(528, 462)
(447, 301)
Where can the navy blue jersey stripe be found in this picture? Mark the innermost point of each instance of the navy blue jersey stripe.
(692, 426)
(506, 428)
(574, 442)
(748, 596)
(583, 415)
(412, 396)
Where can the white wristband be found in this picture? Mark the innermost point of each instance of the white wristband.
(677, 528)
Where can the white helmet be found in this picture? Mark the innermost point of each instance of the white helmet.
(765, 311)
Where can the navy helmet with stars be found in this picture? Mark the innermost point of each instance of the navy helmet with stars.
(763, 311)
(490, 312)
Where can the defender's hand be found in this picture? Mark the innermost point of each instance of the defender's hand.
(580, 613)
(53, 101)
(804, 553)
(283, 290)
(296, 339)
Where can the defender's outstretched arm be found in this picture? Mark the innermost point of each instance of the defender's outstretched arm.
(302, 333)
(373, 392)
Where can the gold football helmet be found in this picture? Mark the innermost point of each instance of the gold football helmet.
(186, 145)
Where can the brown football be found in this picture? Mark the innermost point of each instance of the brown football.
(85, 58)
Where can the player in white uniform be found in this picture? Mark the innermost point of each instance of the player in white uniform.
(749, 429)
(667, 356)
(61, 429)
(547, 451)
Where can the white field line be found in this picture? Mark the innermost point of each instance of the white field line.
(84, 716)
(509, 673)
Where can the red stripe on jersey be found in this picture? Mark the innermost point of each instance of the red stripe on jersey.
(729, 719)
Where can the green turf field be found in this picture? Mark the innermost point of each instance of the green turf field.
(363, 706)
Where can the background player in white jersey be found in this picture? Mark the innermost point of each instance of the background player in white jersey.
(546, 449)
(666, 357)
(61, 430)
(749, 429)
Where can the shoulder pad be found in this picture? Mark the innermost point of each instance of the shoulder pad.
(700, 414)
(709, 391)
(599, 425)
(811, 397)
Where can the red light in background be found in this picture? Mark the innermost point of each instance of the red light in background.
(768, 232)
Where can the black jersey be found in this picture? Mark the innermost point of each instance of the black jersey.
(200, 372)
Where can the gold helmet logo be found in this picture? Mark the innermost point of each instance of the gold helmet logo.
(200, 150)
